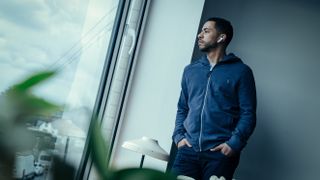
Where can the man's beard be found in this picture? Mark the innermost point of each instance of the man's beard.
(208, 47)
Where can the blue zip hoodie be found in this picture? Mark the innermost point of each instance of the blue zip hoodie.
(216, 105)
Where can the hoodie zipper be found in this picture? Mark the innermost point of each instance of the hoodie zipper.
(204, 103)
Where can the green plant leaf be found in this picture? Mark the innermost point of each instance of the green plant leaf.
(99, 151)
(27, 105)
(33, 80)
(18, 104)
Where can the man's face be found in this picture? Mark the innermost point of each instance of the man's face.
(207, 38)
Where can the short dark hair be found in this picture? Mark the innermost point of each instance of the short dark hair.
(223, 26)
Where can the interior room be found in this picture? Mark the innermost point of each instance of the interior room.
(116, 70)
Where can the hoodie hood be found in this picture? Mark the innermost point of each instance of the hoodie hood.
(226, 59)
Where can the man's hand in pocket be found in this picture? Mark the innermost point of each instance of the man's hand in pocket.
(184, 142)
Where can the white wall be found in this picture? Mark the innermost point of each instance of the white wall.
(167, 47)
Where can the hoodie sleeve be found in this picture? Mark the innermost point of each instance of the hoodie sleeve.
(182, 112)
(247, 104)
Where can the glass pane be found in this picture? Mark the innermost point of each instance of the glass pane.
(71, 37)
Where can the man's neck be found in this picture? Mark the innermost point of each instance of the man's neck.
(216, 56)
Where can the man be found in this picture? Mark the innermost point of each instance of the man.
(217, 108)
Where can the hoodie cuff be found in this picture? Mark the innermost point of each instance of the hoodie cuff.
(177, 138)
(236, 144)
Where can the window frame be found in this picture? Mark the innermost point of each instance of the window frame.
(112, 55)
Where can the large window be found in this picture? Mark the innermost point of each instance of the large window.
(71, 37)
(92, 44)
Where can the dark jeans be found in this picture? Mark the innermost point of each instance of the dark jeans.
(202, 165)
